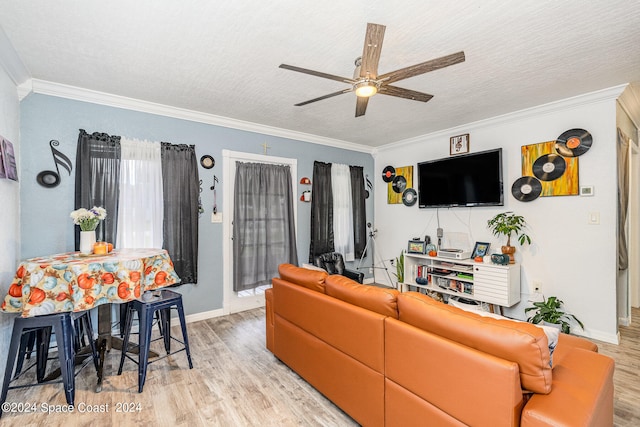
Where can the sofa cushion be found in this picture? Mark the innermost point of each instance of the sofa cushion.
(567, 343)
(518, 342)
(380, 300)
(310, 279)
(551, 332)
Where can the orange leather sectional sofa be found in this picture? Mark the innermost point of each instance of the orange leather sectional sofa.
(404, 359)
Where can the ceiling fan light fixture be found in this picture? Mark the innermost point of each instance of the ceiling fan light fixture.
(366, 88)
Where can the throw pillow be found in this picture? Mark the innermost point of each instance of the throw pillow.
(313, 267)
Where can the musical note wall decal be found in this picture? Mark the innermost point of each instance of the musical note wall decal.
(50, 179)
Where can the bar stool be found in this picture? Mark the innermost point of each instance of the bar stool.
(66, 334)
(161, 304)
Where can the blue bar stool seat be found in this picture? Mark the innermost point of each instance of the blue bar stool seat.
(161, 304)
(66, 332)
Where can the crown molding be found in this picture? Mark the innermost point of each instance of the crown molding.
(86, 95)
(608, 94)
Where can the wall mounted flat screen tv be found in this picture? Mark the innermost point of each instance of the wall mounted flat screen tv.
(463, 180)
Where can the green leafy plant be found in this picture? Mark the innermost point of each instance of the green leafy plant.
(550, 311)
(508, 223)
(399, 262)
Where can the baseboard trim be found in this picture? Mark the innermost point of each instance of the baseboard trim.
(204, 315)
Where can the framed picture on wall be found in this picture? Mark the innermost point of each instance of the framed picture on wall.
(9, 168)
(459, 144)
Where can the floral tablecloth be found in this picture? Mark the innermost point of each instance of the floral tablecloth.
(74, 282)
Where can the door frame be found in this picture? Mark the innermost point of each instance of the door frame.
(633, 280)
(230, 302)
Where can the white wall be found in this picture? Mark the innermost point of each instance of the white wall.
(573, 260)
(9, 200)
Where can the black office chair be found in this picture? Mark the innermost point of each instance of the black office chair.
(334, 264)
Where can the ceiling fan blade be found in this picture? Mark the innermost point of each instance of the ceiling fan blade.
(361, 106)
(371, 50)
(324, 97)
(424, 67)
(317, 73)
(404, 93)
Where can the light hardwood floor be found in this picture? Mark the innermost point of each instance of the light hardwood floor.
(237, 382)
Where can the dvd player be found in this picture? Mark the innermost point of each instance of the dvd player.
(454, 253)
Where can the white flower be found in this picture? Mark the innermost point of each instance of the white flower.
(88, 219)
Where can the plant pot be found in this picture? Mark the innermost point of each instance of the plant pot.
(510, 250)
(87, 240)
(553, 325)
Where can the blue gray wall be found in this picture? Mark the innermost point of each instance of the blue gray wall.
(45, 223)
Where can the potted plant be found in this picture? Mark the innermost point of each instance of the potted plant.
(508, 223)
(550, 312)
(400, 268)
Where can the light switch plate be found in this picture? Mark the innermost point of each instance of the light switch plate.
(216, 217)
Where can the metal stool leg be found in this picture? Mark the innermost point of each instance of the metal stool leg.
(66, 355)
(185, 338)
(88, 330)
(146, 322)
(127, 334)
(165, 320)
(26, 347)
(42, 353)
(11, 358)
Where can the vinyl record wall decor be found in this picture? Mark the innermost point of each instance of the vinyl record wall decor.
(399, 185)
(551, 168)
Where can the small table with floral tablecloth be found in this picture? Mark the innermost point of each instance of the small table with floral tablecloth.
(75, 282)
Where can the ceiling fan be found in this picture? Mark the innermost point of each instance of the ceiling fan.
(366, 82)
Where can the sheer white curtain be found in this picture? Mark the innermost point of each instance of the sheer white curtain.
(141, 209)
(342, 211)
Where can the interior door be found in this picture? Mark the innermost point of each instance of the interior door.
(234, 302)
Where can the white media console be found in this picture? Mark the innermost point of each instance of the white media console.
(479, 281)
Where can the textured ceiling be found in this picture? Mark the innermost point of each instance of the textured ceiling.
(222, 57)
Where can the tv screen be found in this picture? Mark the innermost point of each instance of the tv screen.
(463, 180)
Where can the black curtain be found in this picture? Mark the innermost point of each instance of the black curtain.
(263, 223)
(98, 180)
(321, 211)
(180, 183)
(359, 212)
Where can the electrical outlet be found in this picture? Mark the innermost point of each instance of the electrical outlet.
(537, 287)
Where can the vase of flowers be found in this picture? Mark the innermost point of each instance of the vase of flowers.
(88, 220)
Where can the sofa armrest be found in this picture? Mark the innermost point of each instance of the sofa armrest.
(354, 275)
(581, 393)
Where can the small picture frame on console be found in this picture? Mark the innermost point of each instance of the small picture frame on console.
(480, 249)
(416, 247)
(459, 144)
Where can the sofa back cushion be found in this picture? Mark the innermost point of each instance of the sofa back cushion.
(522, 343)
(356, 333)
(380, 300)
(310, 279)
